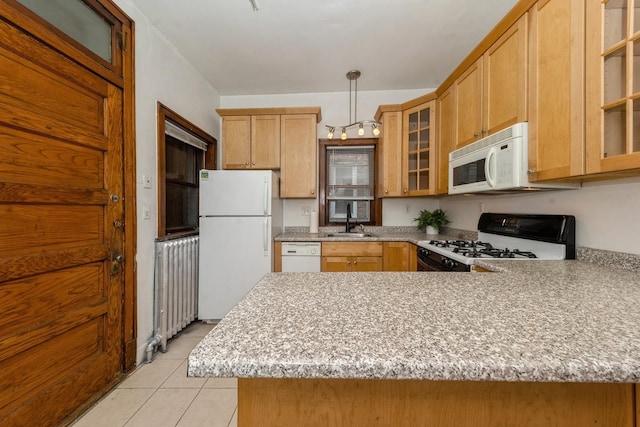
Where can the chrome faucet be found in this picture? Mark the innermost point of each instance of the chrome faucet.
(346, 230)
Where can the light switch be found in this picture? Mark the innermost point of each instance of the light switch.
(146, 212)
(146, 180)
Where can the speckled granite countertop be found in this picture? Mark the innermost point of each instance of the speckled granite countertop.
(384, 236)
(569, 321)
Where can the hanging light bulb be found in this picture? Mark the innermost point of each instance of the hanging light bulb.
(353, 76)
(330, 133)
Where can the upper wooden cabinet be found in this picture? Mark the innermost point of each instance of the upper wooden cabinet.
(613, 86)
(491, 93)
(556, 90)
(251, 142)
(299, 156)
(469, 106)
(274, 138)
(446, 135)
(419, 150)
(389, 158)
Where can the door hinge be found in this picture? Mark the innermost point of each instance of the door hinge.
(123, 40)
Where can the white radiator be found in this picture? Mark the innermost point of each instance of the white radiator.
(176, 289)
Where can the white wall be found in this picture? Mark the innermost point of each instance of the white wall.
(162, 75)
(335, 111)
(606, 211)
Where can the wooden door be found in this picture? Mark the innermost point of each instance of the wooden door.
(418, 150)
(446, 137)
(556, 90)
(299, 156)
(396, 256)
(61, 210)
(613, 87)
(335, 264)
(390, 155)
(265, 142)
(469, 105)
(505, 85)
(366, 263)
(236, 142)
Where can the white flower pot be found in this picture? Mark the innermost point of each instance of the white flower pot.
(431, 230)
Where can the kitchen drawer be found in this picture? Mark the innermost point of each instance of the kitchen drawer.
(352, 249)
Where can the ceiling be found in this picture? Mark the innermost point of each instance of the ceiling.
(304, 46)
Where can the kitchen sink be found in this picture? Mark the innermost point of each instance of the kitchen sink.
(351, 235)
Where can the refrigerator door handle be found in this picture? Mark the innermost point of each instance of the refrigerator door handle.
(265, 236)
(266, 197)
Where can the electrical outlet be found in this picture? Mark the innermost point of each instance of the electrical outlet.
(407, 208)
(304, 211)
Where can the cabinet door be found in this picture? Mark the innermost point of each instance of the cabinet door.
(369, 263)
(236, 142)
(335, 264)
(613, 86)
(505, 86)
(418, 150)
(390, 156)
(265, 142)
(299, 156)
(556, 90)
(396, 256)
(446, 136)
(469, 105)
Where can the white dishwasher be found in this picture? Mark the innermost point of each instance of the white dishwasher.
(300, 257)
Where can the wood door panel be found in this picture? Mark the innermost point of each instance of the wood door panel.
(53, 403)
(15, 267)
(28, 228)
(40, 160)
(48, 95)
(29, 372)
(25, 301)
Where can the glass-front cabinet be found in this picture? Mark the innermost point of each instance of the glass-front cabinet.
(419, 162)
(613, 85)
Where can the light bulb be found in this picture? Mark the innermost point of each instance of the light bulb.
(361, 129)
(375, 130)
(343, 135)
(330, 133)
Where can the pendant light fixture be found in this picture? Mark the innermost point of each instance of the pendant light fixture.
(353, 76)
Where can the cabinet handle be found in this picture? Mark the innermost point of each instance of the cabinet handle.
(313, 192)
(253, 163)
(386, 191)
(531, 171)
(404, 191)
(484, 131)
(476, 134)
(355, 262)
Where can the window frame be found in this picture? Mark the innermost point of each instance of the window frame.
(323, 206)
(209, 160)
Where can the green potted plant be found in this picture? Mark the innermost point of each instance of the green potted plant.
(432, 220)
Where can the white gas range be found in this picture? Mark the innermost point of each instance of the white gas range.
(503, 236)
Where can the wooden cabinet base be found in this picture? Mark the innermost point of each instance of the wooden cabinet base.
(330, 402)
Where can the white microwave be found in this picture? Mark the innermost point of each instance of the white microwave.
(496, 164)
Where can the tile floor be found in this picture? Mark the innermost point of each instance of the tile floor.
(160, 394)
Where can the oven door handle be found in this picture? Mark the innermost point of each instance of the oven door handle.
(490, 165)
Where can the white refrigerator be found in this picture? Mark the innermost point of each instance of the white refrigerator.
(240, 213)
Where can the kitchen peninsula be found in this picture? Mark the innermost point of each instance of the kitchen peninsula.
(537, 343)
